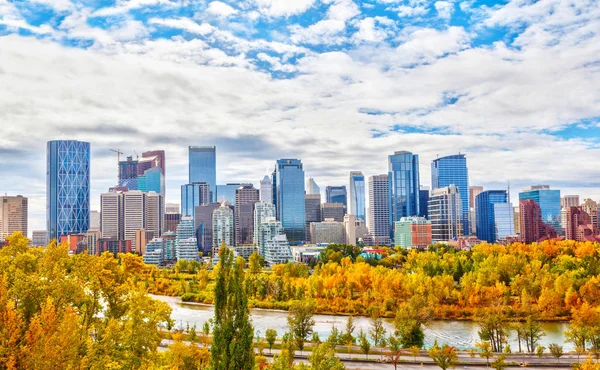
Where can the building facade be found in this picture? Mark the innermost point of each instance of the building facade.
(186, 245)
(226, 193)
(486, 218)
(312, 188)
(404, 186)
(413, 232)
(288, 182)
(312, 210)
(549, 202)
(333, 211)
(269, 229)
(328, 232)
(452, 170)
(266, 190)
(445, 213)
(67, 187)
(13, 216)
(223, 227)
(356, 198)
(39, 238)
(193, 195)
(337, 194)
(204, 227)
(568, 201)
(203, 167)
(379, 209)
(277, 250)
(246, 196)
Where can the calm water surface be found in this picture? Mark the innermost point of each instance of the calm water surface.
(461, 334)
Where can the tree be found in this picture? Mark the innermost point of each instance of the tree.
(192, 334)
(410, 318)
(395, 346)
(348, 337)
(334, 337)
(485, 351)
(285, 359)
(377, 330)
(301, 322)
(539, 351)
(556, 351)
(444, 357)
(315, 339)
(255, 263)
(232, 333)
(415, 351)
(364, 343)
(271, 336)
(323, 358)
(532, 332)
(499, 363)
(492, 327)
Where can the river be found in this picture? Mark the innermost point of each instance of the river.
(461, 334)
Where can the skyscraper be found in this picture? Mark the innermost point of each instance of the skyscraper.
(203, 167)
(94, 220)
(186, 246)
(412, 232)
(312, 209)
(111, 216)
(262, 211)
(204, 226)
(487, 220)
(145, 174)
(445, 209)
(357, 195)
(333, 211)
(192, 195)
(337, 194)
(549, 202)
(288, 180)
(223, 227)
(266, 190)
(155, 214)
(246, 196)
(452, 170)
(424, 201)
(379, 209)
(312, 187)
(67, 187)
(134, 209)
(569, 201)
(13, 216)
(404, 186)
(227, 192)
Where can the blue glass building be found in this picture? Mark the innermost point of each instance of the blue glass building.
(357, 195)
(203, 167)
(452, 170)
(288, 179)
(67, 187)
(227, 192)
(337, 194)
(485, 208)
(192, 195)
(424, 202)
(404, 185)
(151, 180)
(549, 202)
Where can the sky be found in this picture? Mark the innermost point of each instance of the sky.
(340, 84)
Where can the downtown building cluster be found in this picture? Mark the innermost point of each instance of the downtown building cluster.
(287, 217)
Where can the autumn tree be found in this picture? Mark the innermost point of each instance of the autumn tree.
(409, 321)
(485, 351)
(271, 336)
(377, 330)
(444, 357)
(395, 347)
(323, 358)
(301, 322)
(363, 341)
(556, 351)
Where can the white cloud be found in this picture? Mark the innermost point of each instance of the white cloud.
(123, 6)
(368, 31)
(185, 24)
(277, 8)
(343, 10)
(328, 31)
(409, 11)
(444, 9)
(221, 9)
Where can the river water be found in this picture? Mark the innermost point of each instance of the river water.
(461, 334)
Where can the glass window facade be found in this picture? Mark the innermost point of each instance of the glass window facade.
(357, 195)
(67, 187)
(452, 170)
(289, 193)
(193, 195)
(485, 207)
(337, 194)
(404, 185)
(549, 202)
(203, 167)
(227, 192)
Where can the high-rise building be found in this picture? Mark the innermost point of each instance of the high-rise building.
(155, 214)
(357, 195)
(186, 245)
(226, 193)
(171, 221)
(504, 221)
(111, 212)
(590, 207)
(579, 226)
(246, 196)
(379, 209)
(39, 238)
(445, 214)
(452, 170)
(337, 194)
(350, 229)
(204, 227)
(312, 210)
(517, 218)
(142, 237)
(568, 201)
(311, 187)
(203, 167)
(549, 202)
(172, 208)
(277, 250)
(192, 195)
(269, 229)
(288, 181)
(159, 159)
(412, 232)
(67, 187)
(13, 216)
(262, 211)
(152, 180)
(474, 191)
(533, 228)
(328, 231)
(404, 186)
(223, 227)
(94, 220)
(145, 174)
(92, 237)
(266, 190)
(334, 211)
(423, 201)
(485, 206)
(134, 211)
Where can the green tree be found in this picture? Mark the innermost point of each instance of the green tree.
(315, 339)
(192, 334)
(255, 263)
(271, 335)
(395, 347)
(485, 351)
(499, 363)
(334, 337)
(323, 358)
(409, 322)
(556, 351)
(492, 327)
(364, 343)
(301, 322)
(444, 357)
(348, 336)
(539, 351)
(377, 331)
(532, 333)
(232, 334)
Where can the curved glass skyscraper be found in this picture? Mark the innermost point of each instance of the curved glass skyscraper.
(357, 195)
(403, 177)
(288, 182)
(67, 187)
(452, 170)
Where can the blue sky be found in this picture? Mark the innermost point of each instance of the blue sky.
(340, 84)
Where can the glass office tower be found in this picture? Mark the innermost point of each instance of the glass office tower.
(203, 167)
(67, 187)
(452, 170)
(549, 202)
(336, 194)
(288, 180)
(404, 186)
(485, 208)
(357, 195)
(193, 195)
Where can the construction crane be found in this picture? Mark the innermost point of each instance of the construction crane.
(118, 160)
